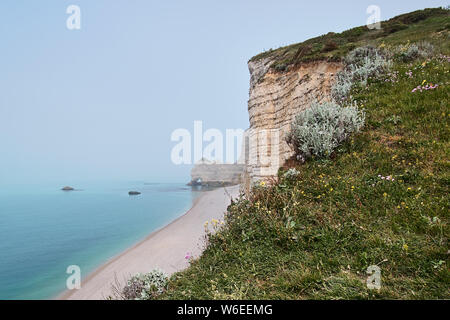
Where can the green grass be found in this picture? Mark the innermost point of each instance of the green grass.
(314, 237)
(435, 23)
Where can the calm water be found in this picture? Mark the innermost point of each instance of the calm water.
(44, 230)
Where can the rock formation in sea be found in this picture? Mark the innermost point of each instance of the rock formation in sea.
(67, 188)
(134, 193)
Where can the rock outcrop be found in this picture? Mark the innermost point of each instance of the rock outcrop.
(67, 188)
(216, 175)
(275, 99)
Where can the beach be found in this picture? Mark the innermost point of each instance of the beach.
(165, 249)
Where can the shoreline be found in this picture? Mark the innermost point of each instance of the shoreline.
(164, 248)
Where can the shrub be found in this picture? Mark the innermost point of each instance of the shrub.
(145, 286)
(341, 88)
(329, 46)
(358, 55)
(291, 174)
(280, 67)
(317, 131)
(413, 52)
(370, 67)
(361, 64)
(394, 27)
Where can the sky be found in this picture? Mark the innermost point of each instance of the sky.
(100, 103)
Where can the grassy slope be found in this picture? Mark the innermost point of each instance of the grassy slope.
(333, 46)
(315, 237)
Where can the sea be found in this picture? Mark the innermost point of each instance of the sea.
(44, 230)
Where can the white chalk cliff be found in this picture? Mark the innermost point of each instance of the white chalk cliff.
(275, 99)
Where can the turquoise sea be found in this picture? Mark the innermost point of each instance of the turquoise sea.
(43, 230)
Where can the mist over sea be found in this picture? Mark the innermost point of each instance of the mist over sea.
(43, 230)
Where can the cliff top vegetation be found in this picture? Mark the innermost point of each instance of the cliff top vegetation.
(433, 23)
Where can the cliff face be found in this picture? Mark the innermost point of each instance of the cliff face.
(275, 99)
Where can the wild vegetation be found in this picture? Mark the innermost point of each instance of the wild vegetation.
(142, 286)
(320, 129)
(335, 46)
(380, 197)
(382, 200)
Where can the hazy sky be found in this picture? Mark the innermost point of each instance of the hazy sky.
(100, 103)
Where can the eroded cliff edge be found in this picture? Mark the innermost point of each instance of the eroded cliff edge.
(275, 98)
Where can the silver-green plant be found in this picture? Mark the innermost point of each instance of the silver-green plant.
(291, 174)
(320, 129)
(361, 64)
(358, 55)
(145, 286)
(411, 52)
